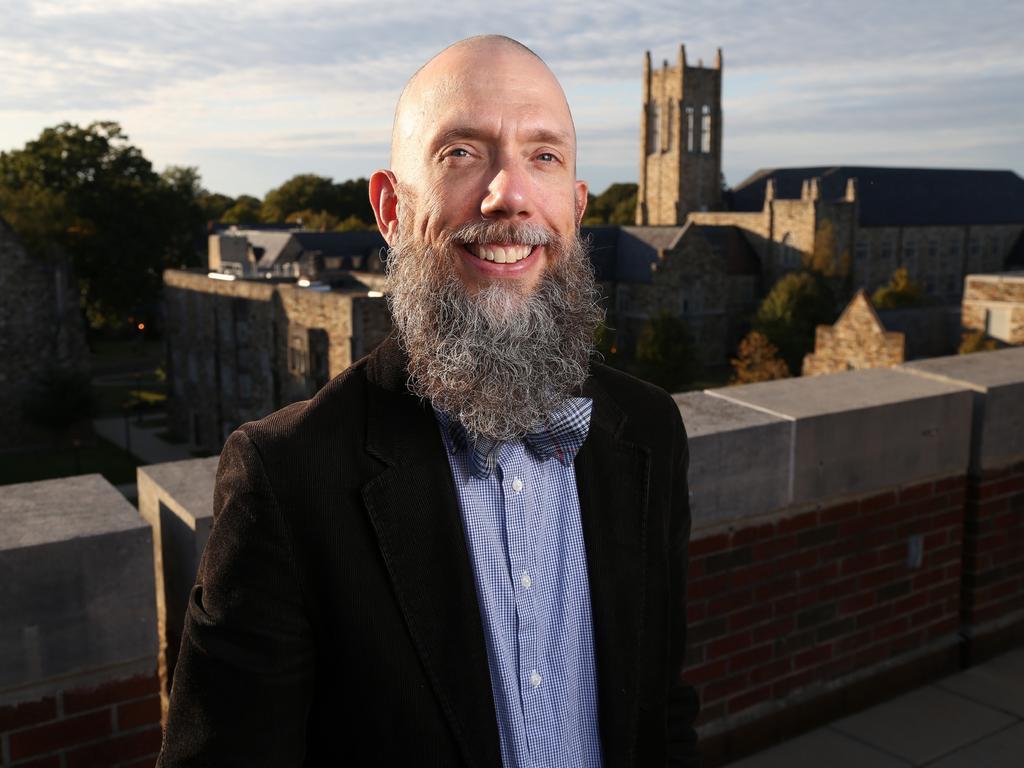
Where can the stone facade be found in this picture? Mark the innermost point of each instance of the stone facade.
(995, 304)
(239, 349)
(680, 141)
(857, 340)
(41, 332)
(706, 276)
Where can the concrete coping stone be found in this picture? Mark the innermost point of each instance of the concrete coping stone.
(739, 459)
(185, 487)
(810, 396)
(997, 379)
(49, 511)
(862, 431)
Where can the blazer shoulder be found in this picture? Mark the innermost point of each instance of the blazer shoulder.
(308, 424)
(645, 405)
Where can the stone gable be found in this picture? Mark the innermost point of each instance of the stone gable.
(857, 340)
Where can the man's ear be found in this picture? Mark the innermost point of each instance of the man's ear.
(581, 201)
(384, 199)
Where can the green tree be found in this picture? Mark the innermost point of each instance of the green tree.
(321, 221)
(246, 210)
(309, 192)
(757, 360)
(796, 305)
(665, 353)
(900, 291)
(353, 223)
(214, 205)
(616, 205)
(94, 195)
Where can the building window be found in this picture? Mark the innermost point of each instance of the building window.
(705, 129)
(886, 251)
(860, 252)
(689, 129)
(933, 250)
(653, 128)
(670, 112)
(790, 256)
(909, 253)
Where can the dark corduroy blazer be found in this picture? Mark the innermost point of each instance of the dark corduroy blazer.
(334, 619)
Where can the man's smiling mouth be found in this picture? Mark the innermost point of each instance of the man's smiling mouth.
(499, 253)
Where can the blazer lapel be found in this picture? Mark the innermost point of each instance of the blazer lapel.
(612, 481)
(414, 510)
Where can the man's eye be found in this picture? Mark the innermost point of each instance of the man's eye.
(458, 152)
(547, 157)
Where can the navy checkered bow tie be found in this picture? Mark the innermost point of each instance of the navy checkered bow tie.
(560, 437)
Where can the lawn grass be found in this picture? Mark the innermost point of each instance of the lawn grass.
(103, 457)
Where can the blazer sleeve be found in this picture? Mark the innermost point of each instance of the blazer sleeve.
(243, 683)
(683, 703)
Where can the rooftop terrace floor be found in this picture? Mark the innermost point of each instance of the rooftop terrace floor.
(974, 719)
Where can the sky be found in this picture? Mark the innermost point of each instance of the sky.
(255, 92)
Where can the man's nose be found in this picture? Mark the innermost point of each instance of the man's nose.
(507, 195)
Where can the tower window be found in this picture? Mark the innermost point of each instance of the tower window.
(705, 129)
(689, 129)
(653, 129)
(668, 128)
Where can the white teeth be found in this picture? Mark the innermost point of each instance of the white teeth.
(501, 254)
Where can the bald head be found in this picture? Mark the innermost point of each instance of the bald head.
(468, 75)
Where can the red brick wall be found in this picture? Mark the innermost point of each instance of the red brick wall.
(115, 725)
(994, 547)
(817, 595)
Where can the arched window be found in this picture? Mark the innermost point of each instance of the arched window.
(653, 128)
(705, 129)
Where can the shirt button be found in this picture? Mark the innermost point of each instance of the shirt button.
(535, 678)
(517, 484)
(525, 580)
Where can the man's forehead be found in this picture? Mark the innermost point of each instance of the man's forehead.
(481, 70)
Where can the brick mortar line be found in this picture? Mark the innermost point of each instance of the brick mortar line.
(62, 751)
(112, 706)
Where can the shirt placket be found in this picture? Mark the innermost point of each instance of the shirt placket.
(519, 500)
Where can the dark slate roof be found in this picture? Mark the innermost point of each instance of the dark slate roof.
(339, 243)
(901, 196)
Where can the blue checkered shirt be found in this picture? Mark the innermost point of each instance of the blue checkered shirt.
(521, 516)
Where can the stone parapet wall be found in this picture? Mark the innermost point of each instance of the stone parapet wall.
(240, 349)
(78, 646)
(853, 535)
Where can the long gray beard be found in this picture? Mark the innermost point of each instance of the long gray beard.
(499, 361)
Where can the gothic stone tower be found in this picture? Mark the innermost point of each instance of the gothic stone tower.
(680, 141)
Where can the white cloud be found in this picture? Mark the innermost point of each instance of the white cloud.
(250, 89)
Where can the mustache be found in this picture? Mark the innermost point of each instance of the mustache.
(523, 233)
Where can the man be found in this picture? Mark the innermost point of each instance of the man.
(470, 547)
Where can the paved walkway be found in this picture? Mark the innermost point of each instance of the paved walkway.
(974, 719)
(146, 445)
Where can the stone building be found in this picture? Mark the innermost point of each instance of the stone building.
(680, 141)
(293, 252)
(856, 340)
(41, 332)
(238, 349)
(995, 304)
(940, 224)
(707, 276)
